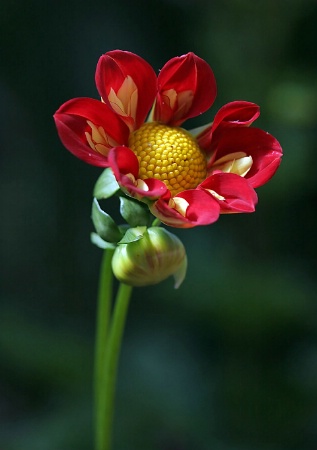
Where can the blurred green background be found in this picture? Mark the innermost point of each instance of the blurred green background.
(228, 361)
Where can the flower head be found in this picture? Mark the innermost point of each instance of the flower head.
(187, 179)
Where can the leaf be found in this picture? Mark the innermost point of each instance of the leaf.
(99, 242)
(104, 224)
(133, 235)
(106, 185)
(135, 213)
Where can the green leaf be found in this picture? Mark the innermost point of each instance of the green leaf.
(135, 213)
(96, 239)
(104, 224)
(106, 185)
(133, 235)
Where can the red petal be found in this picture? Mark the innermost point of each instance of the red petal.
(156, 189)
(265, 150)
(202, 210)
(71, 122)
(238, 194)
(185, 74)
(112, 70)
(234, 114)
(123, 162)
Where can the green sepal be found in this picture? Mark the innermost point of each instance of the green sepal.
(156, 222)
(135, 213)
(106, 185)
(104, 224)
(133, 235)
(99, 242)
(123, 228)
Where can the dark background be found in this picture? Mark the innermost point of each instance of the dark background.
(228, 361)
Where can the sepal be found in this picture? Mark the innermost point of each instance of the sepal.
(132, 235)
(106, 185)
(104, 224)
(135, 213)
(99, 242)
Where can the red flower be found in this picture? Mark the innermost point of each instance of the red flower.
(186, 179)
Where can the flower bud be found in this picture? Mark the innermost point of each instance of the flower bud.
(149, 260)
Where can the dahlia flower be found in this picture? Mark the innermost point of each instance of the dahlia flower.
(186, 178)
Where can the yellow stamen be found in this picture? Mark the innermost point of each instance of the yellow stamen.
(169, 154)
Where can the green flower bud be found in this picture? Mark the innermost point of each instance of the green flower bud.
(155, 256)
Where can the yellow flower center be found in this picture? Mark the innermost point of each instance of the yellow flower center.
(169, 154)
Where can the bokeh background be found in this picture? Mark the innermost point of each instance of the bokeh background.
(228, 361)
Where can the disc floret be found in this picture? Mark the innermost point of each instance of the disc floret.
(169, 154)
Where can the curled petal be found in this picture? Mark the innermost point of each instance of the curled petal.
(89, 129)
(187, 88)
(125, 166)
(123, 161)
(127, 83)
(233, 193)
(265, 150)
(234, 114)
(187, 209)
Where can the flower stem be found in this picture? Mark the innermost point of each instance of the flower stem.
(108, 344)
(112, 356)
(103, 316)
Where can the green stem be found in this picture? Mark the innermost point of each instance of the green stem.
(103, 316)
(108, 344)
(111, 361)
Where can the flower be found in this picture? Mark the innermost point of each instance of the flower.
(187, 179)
(151, 259)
